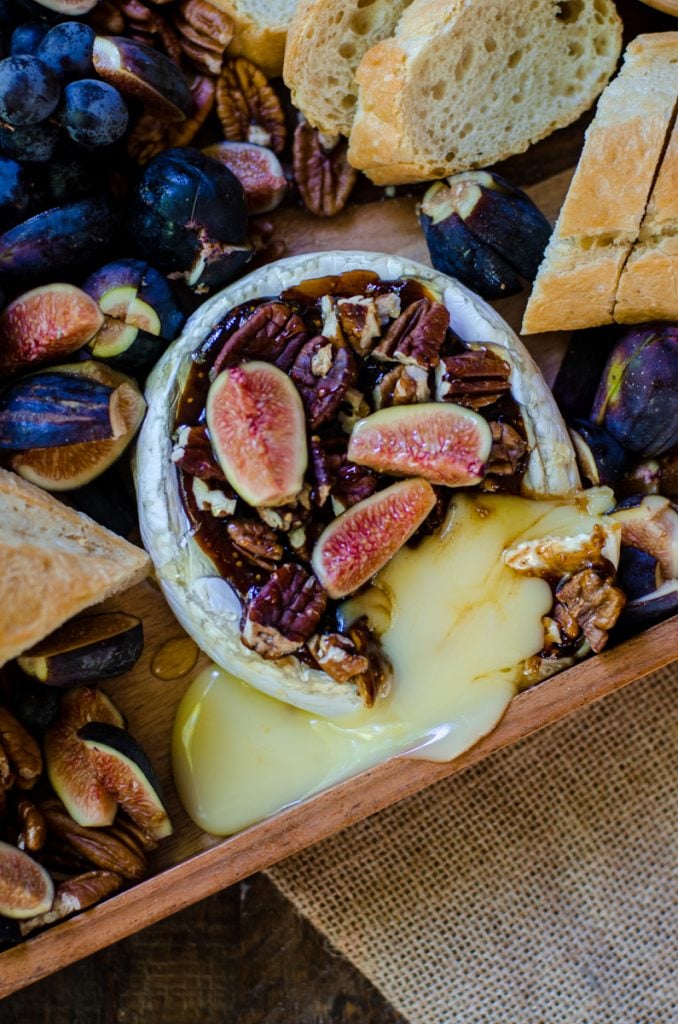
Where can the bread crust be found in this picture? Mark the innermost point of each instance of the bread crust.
(381, 143)
(55, 562)
(263, 44)
(594, 270)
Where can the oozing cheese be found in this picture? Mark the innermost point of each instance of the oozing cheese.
(456, 623)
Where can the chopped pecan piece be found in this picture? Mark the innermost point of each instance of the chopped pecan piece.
(99, 846)
(416, 336)
(33, 832)
(248, 108)
(353, 408)
(324, 177)
(273, 333)
(360, 322)
(508, 450)
(403, 385)
(204, 33)
(555, 556)
(475, 378)
(6, 773)
(218, 499)
(337, 655)
(323, 373)
(150, 136)
(22, 751)
(256, 542)
(73, 895)
(372, 682)
(192, 453)
(282, 616)
(590, 602)
(292, 516)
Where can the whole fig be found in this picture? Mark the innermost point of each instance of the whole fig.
(637, 398)
(189, 219)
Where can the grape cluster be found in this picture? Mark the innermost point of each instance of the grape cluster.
(48, 91)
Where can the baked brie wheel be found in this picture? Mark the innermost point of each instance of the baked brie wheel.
(204, 602)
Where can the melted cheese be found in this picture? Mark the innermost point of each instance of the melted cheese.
(456, 623)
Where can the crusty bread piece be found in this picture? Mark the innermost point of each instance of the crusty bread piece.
(259, 30)
(464, 83)
(648, 288)
(601, 217)
(325, 44)
(54, 562)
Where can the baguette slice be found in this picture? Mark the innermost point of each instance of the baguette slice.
(55, 562)
(648, 289)
(325, 44)
(604, 207)
(259, 30)
(463, 84)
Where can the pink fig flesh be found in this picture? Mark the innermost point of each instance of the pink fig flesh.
(256, 422)
(444, 443)
(363, 539)
(46, 323)
(68, 764)
(25, 887)
(257, 169)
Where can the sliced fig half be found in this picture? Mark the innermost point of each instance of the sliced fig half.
(69, 466)
(85, 649)
(46, 323)
(69, 767)
(256, 422)
(363, 539)
(444, 443)
(25, 887)
(122, 767)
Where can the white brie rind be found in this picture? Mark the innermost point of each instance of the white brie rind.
(204, 603)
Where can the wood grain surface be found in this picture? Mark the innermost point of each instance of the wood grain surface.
(216, 940)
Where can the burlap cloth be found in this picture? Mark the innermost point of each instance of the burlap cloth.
(537, 887)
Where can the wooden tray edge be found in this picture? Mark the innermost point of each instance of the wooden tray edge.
(325, 814)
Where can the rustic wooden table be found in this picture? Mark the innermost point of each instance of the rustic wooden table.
(245, 955)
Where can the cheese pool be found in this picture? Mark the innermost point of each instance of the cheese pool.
(456, 623)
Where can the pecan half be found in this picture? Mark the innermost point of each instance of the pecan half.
(99, 846)
(256, 542)
(284, 613)
(192, 453)
(334, 475)
(416, 336)
(73, 895)
(591, 603)
(204, 33)
(22, 751)
(33, 832)
(132, 834)
(337, 655)
(248, 108)
(324, 177)
(403, 385)
(475, 378)
(274, 333)
(323, 373)
(150, 136)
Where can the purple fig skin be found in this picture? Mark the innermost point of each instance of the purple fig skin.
(49, 409)
(637, 398)
(151, 286)
(638, 572)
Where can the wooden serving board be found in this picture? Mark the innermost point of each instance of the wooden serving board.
(191, 865)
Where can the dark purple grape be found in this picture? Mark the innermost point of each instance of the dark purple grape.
(15, 193)
(29, 90)
(93, 113)
(31, 144)
(67, 49)
(26, 38)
